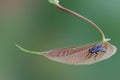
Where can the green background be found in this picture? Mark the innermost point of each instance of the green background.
(38, 25)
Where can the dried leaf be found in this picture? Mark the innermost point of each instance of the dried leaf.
(80, 55)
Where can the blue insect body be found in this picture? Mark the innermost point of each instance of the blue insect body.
(97, 48)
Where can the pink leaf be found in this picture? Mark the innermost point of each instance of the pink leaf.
(80, 55)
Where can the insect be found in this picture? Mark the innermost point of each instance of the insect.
(81, 55)
(96, 49)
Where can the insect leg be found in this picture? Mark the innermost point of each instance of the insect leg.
(89, 55)
(95, 55)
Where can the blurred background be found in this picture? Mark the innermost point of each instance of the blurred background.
(38, 25)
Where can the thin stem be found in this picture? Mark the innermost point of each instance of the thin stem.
(81, 17)
(28, 51)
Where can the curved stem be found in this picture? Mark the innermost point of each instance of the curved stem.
(81, 17)
(28, 51)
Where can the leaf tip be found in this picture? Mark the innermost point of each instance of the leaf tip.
(28, 51)
(22, 49)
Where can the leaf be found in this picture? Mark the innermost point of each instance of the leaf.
(80, 55)
(77, 55)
